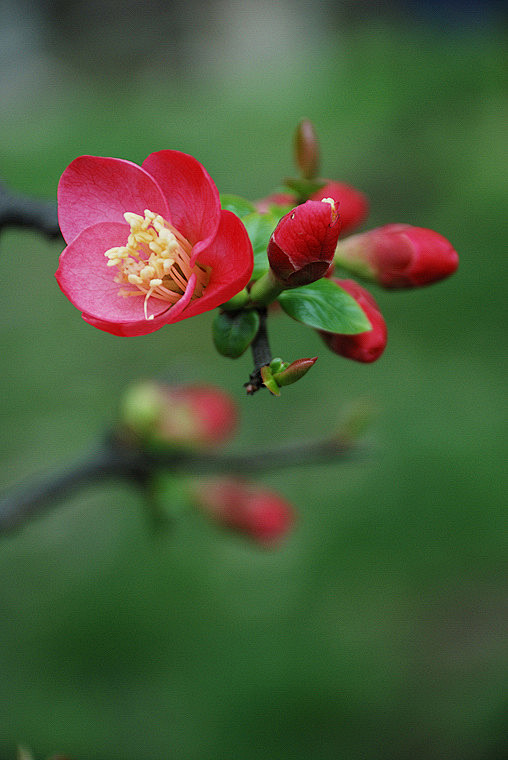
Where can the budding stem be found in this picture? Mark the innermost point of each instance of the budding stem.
(261, 354)
(266, 290)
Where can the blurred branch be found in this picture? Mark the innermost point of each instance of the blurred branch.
(17, 210)
(116, 460)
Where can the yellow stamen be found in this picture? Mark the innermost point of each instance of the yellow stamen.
(155, 261)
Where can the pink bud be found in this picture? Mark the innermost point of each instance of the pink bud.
(362, 347)
(352, 205)
(247, 508)
(400, 256)
(263, 205)
(187, 415)
(302, 246)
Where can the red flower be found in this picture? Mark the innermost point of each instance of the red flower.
(247, 508)
(399, 255)
(362, 347)
(352, 205)
(302, 246)
(147, 246)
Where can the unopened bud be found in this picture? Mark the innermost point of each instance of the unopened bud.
(261, 514)
(353, 206)
(177, 416)
(399, 256)
(306, 148)
(366, 346)
(263, 205)
(302, 246)
(293, 372)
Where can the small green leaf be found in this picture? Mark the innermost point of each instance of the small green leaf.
(325, 306)
(305, 187)
(260, 227)
(233, 332)
(239, 206)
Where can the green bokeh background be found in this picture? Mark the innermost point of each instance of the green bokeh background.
(378, 629)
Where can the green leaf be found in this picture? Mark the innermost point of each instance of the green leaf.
(233, 332)
(259, 228)
(325, 306)
(237, 205)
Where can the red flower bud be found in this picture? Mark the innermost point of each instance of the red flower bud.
(247, 508)
(187, 415)
(352, 205)
(302, 246)
(362, 347)
(399, 255)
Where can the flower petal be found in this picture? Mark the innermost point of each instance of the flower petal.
(145, 326)
(191, 195)
(231, 260)
(87, 281)
(94, 189)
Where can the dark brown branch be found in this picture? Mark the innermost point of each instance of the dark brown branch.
(17, 210)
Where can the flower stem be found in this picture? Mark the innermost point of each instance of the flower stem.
(265, 290)
(261, 354)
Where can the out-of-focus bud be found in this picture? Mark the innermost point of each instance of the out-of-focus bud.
(306, 149)
(398, 256)
(352, 205)
(185, 416)
(302, 245)
(263, 205)
(261, 514)
(362, 347)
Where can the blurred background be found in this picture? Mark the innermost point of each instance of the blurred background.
(378, 629)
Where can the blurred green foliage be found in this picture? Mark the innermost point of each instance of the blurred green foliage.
(379, 629)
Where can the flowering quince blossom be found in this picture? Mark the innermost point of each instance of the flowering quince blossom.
(302, 246)
(400, 255)
(147, 245)
(363, 347)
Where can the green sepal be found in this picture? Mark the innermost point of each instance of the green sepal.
(278, 365)
(233, 332)
(324, 305)
(239, 206)
(269, 381)
(304, 187)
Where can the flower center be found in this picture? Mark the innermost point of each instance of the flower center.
(155, 262)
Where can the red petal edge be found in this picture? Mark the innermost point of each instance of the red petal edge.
(94, 189)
